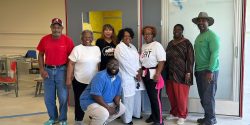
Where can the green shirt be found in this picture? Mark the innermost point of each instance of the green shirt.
(207, 51)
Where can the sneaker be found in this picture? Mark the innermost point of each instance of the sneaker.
(171, 117)
(49, 122)
(78, 123)
(181, 121)
(63, 123)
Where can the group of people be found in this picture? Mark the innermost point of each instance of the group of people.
(108, 77)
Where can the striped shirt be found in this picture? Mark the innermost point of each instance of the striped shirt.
(179, 61)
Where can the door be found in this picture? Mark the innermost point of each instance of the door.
(227, 26)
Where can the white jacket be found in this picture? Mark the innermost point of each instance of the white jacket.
(129, 64)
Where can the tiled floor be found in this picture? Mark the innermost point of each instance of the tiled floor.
(29, 110)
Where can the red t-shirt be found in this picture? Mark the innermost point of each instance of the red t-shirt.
(56, 50)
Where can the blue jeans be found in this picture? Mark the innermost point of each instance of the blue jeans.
(207, 93)
(55, 84)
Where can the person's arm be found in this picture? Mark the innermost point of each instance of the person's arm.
(189, 62)
(161, 58)
(159, 69)
(70, 70)
(43, 73)
(100, 101)
(117, 100)
(214, 50)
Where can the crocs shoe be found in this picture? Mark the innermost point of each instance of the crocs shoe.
(49, 122)
(63, 123)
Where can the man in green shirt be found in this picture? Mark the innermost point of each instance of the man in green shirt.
(206, 66)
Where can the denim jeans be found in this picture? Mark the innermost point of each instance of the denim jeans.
(207, 93)
(55, 84)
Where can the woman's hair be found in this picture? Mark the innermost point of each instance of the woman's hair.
(86, 31)
(150, 27)
(121, 33)
(181, 26)
(113, 37)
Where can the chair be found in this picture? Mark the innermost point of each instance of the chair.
(12, 78)
(39, 85)
(32, 56)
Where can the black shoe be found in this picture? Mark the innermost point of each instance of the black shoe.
(202, 120)
(205, 124)
(137, 118)
(130, 123)
(149, 120)
(158, 123)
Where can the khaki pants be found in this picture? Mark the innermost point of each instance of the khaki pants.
(98, 115)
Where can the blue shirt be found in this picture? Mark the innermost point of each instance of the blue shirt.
(101, 85)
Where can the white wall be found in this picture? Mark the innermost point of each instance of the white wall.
(24, 22)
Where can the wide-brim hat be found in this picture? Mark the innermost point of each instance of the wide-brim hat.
(203, 15)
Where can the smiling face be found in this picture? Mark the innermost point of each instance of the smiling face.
(56, 30)
(202, 24)
(127, 38)
(113, 67)
(148, 35)
(178, 32)
(87, 38)
(108, 33)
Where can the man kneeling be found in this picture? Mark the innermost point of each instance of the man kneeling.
(101, 99)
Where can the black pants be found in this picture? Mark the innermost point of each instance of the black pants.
(153, 98)
(78, 88)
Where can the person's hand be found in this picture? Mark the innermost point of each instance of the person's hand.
(44, 74)
(138, 77)
(156, 77)
(209, 77)
(112, 110)
(68, 83)
(187, 77)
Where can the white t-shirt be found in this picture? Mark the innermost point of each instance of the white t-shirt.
(151, 54)
(86, 60)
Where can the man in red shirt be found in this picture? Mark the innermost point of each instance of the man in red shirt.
(55, 49)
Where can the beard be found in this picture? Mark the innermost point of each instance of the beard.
(112, 73)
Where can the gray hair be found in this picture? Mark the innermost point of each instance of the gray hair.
(85, 32)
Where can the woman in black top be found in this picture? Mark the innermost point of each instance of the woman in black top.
(107, 44)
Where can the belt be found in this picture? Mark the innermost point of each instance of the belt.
(54, 66)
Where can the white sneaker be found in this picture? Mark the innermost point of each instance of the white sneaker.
(171, 117)
(181, 121)
(78, 123)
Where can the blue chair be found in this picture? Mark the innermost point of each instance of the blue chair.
(31, 54)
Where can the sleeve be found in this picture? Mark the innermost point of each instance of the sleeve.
(74, 55)
(124, 61)
(119, 92)
(160, 53)
(97, 85)
(98, 53)
(41, 45)
(214, 49)
(189, 57)
(98, 43)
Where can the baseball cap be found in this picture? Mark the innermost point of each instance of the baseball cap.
(56, 21)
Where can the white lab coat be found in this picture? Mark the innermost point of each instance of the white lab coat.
(128, 58)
